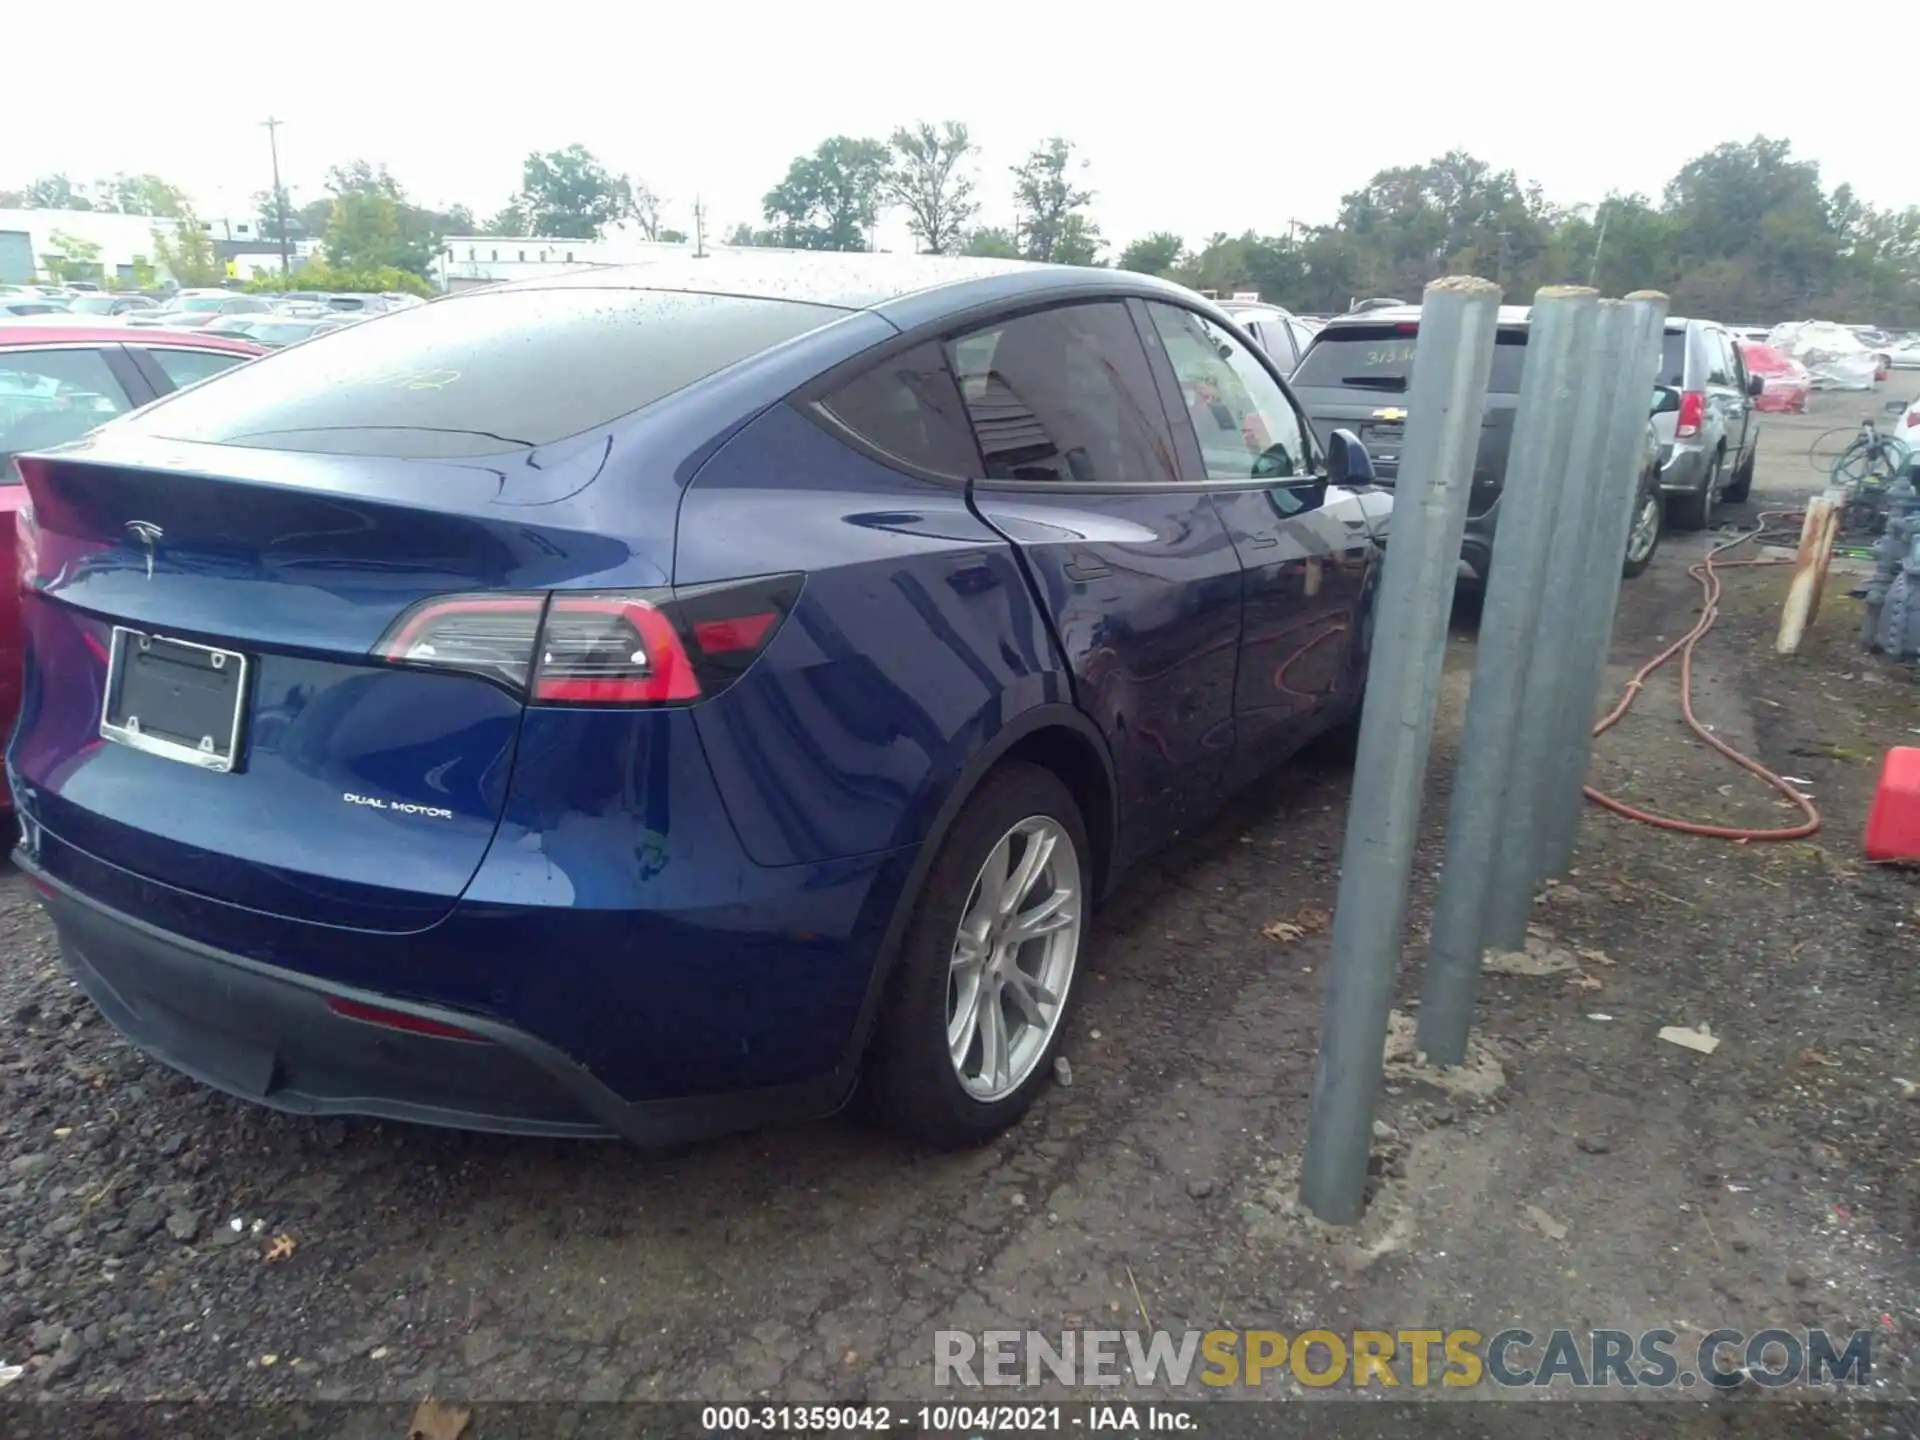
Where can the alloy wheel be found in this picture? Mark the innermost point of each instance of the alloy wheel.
(1013, 958)
(1645, 533)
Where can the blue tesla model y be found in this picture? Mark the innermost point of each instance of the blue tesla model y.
(654, 701)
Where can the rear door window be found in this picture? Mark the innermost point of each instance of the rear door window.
(1379, 358)
(908, 406)
(1065, 395)
(188, 367)
(482, 374)
(48, 397)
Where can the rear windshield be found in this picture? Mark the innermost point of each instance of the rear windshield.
(482, 374)
(1380, 358)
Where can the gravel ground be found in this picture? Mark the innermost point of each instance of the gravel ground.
(161, 1240)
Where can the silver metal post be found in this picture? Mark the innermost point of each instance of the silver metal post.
(1445, 403)
(1516, 859)
(1596, 583)
(1559, 339)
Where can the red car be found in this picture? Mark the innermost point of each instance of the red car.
(57, 381)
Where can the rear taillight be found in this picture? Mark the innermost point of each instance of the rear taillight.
(1912, 419)
(631, 647)
(1693, 410)
(399, 1020)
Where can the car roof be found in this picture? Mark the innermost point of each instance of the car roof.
(14, 336)
(1410, 315)
(905, 289)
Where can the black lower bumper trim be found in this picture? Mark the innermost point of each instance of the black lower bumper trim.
(271, 1036)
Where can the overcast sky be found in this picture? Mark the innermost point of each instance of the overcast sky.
(1194, 121)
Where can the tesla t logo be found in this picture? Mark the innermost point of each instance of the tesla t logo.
(1389, 414)
(148, 534)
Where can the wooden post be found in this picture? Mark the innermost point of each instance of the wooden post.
(1810, 564)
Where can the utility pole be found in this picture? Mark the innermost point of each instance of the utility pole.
(699, 229)
(1593, 270)
(279, 196)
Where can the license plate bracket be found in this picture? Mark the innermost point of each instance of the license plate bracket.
(175, 699)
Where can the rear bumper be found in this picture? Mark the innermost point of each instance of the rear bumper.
(272, 1036)
(1684, 472)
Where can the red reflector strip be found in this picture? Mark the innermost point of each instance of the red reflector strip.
(717, 637)
(400, 1020)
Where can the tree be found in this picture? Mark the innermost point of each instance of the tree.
(568, 194)
(1045, 195)
(993, 243)
(141, 195)
(186, 253)
(68, 257)
(924, 179)
(54, 192)
(370, 224)
(1154, 254)
(510, 220)
(744, 234)
(830, 199)
(1079, 242)
(673, 237)
(363, 233)
(269, 206)
(644, 210)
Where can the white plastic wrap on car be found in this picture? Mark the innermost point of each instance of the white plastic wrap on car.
(1832, 354)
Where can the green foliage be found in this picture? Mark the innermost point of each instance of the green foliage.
(570, 195)
(992, 242)
(1079, 242)
(1154, 254)
(1744, 232)
(49, 192)
(1045, 197)
(320, 275)
(746, 235)
(510, 220)
(672, 237)
(187, 254)
(68, 257)
(830, 199)
(140, 195)
(924, 178)
(371, 225)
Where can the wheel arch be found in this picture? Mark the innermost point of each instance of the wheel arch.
(1055, 736)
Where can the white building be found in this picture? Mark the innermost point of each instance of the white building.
(27, 237)
(466, 262)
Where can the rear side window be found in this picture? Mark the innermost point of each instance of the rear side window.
(492, 372)
(1380, 358)
(1673, 358)
(909, 407)
(1065, 395)
(186, 367)
(48, 397)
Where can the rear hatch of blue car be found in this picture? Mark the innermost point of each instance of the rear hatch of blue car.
(1355, 377)
(281, 628)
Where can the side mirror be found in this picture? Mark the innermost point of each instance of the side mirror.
(1896, 407)
(1666, 400)
(1756, 385)
(1348, 463)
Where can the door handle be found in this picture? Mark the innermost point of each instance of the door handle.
(1086, 567)
(1262, 542)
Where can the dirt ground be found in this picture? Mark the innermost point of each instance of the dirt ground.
(1772, 1182)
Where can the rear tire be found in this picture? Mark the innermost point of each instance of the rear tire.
(932, 1077)
(1644, 537)
(1695, 511)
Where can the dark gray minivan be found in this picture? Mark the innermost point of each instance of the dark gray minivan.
(1354, 376)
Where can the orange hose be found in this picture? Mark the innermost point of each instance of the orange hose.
(1707, 572)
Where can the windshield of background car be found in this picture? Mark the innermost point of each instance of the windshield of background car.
(1380, 358)
(482, 374)
(197, 304)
